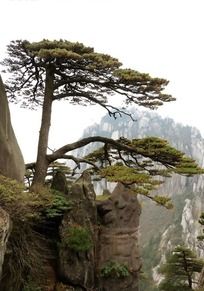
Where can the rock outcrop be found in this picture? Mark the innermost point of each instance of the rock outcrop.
(118, 241)
(95, 234)
(5, 228)
(11, 164)
(70, 251)
(78, 235)
(11, 159)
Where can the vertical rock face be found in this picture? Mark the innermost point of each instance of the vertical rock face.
(95, 234)
(11, 160)
(5, 226)
(77, 251)
(118, 240)
(11, 164)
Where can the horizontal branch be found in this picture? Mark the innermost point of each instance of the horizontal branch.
(85, 141)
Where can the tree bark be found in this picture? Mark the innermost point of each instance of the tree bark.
(201, 279)
(42, 162)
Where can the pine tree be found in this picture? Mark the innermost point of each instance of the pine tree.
(201, 221)
(180, 269)
(46, 71)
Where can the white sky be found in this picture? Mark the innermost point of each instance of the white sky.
(160, 37)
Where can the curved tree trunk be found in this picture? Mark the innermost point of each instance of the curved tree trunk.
(42, 162)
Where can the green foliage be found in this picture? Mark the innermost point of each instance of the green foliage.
(60, 204)
(200, 237)
(15, 200)
(160, 151)
(102, 197)
(141, 162)
(115, 270)
(30, 286)
(179, 270)
(78, 239)
(24, 205)
(164, 201)
(144, 182)
(12, 186)
(188, 167)
(99, 75)
(53, 168)
(125, 175)
(201, 220)
(174, 286)
(77, 47)
(61, 287)
(127, 74)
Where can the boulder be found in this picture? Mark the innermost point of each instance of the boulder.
(59, 182)
(5, 228)
(11, 159)
(118, 241)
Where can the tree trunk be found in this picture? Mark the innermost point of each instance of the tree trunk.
(189, 276)
(201, 279)
(42, 162)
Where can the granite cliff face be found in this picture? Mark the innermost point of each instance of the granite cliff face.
(161, 229)
(77, 258)
(11, 164)
(11, 159)
(98, 241)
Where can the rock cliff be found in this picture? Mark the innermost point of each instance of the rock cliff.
(78, 235)
(99, 240)
(11, 159)
(11, 164)
(118, 239)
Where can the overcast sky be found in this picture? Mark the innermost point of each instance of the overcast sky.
(160, 37)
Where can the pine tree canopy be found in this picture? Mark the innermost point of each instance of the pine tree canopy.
(141, 162)
(79, 75)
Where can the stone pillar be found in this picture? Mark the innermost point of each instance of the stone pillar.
(77, 267)
(118, 241)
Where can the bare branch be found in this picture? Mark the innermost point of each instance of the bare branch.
(79, 161)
